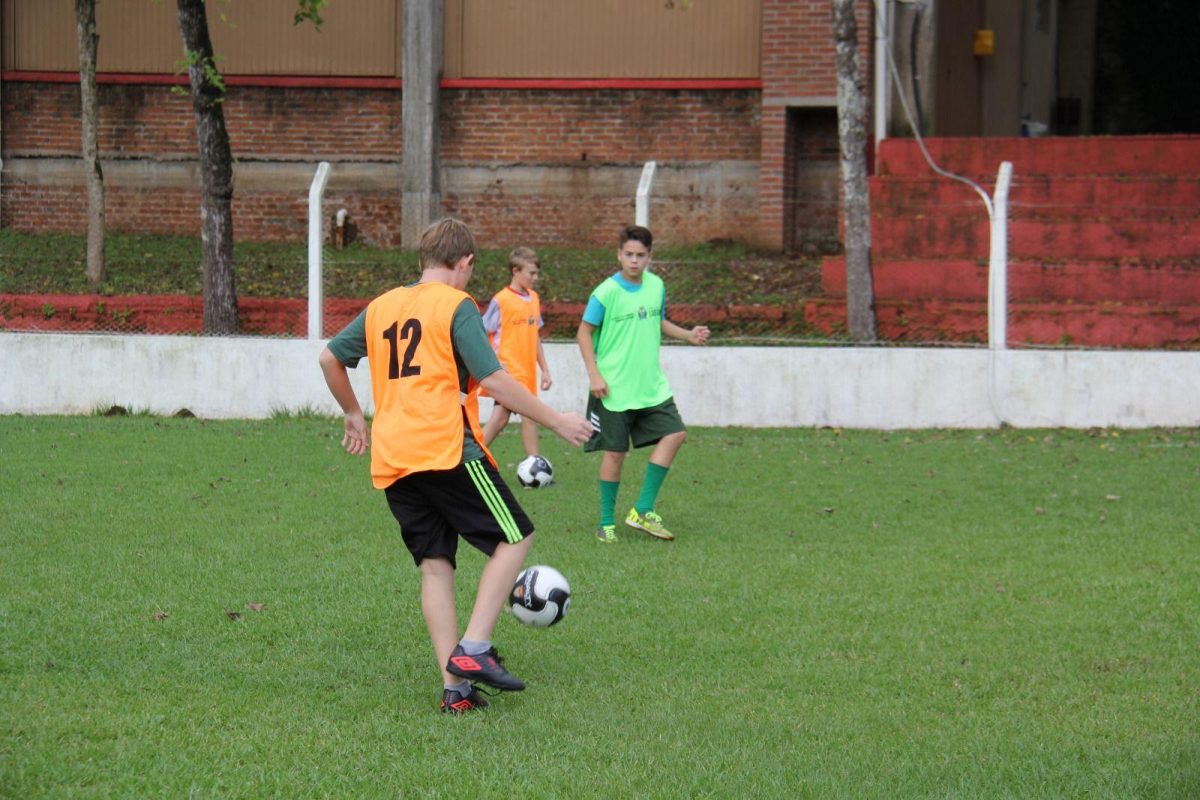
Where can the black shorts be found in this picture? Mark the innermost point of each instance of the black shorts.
(471, 501)
(614, 430)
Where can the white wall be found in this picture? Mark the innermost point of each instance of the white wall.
(744, 386)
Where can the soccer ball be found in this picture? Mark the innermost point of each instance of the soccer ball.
(540, 597)
(535, 472)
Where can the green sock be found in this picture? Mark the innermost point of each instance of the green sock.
(608, 501)
(655, 475)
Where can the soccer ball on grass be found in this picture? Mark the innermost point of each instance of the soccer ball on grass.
(535, 472)
(540, 597)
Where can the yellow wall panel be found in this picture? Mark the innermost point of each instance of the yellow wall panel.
(483, 38)
(250, 37)
(610, 38)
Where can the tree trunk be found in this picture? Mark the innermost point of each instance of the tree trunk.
(89, 40)
(216, 170)
(852, 135)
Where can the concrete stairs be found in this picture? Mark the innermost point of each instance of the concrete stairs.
(1104, 243)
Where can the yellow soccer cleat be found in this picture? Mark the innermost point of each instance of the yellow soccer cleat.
(650, 523)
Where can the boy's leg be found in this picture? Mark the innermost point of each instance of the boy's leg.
(611, 463)
(663, 427)
(611, 437)
(437, 606)
(479, 505)
(656, 470)
(495, 585)
(495, 424)
(529, 436)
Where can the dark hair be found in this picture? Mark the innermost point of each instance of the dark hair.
(521, 256)
(637, 233)
(444, 242)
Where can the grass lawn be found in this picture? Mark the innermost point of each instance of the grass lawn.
(843, 614)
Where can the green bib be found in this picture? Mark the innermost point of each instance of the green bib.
(627, 344)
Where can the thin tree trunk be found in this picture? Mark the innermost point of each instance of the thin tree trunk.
(216, 169)
(852, 135)
(89, 40)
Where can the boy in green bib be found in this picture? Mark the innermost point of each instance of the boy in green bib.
(630, 399)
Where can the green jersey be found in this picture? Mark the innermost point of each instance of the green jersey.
(627, 342)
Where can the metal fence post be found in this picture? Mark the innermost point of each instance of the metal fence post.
(998, 262)
(316, 316)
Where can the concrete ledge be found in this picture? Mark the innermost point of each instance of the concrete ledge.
(886, 388)
(697, 180)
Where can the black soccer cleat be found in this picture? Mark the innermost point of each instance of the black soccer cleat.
(455, 702)
(484, 668)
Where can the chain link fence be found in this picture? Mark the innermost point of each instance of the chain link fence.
(1080, 276)
(742, 298)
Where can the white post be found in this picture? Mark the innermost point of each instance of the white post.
(998, 262)
(642, 206)
(883, 95)
(316, 316)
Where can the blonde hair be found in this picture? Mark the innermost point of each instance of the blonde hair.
(522, 256)
(444, 242)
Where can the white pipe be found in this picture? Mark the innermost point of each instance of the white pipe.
(883, 96)
(642, 205)
(316, 317)
(998, 262)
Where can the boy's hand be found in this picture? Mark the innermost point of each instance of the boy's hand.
(357, 438)
(574, 428)
(598, 387)
(546, 382)
(698, 335)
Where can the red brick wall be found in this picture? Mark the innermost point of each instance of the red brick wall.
(798, 64)
(153, 121)
(591, 129)
(599, 126)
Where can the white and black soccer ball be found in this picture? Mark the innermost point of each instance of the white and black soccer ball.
(540, 597)
(535, 472)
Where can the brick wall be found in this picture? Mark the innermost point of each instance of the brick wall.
(42, 119)
(799, 69)
(599, 126)
(593, 132)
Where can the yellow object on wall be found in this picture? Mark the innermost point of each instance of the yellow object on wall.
(985, 42)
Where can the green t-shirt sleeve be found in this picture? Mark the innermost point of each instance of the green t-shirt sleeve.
(350, 344)
(471, 341)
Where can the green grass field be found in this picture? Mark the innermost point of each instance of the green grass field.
(843, 614)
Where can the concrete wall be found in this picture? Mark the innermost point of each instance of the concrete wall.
(883, 388)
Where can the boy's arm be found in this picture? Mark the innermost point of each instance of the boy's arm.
(515, 397)
(697, 335)
(596, 383)
(356, 439)
(541, 360)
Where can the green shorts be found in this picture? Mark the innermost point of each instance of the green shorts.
(614, 430)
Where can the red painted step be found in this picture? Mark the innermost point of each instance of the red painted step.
(1163, 283)
(1084, 155)
(1042, 196)
(938, 236)
(960, 322)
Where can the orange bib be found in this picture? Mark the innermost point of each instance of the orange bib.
(420, 408)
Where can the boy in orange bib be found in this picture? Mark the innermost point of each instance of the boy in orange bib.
(512, 321)
(428, 354)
